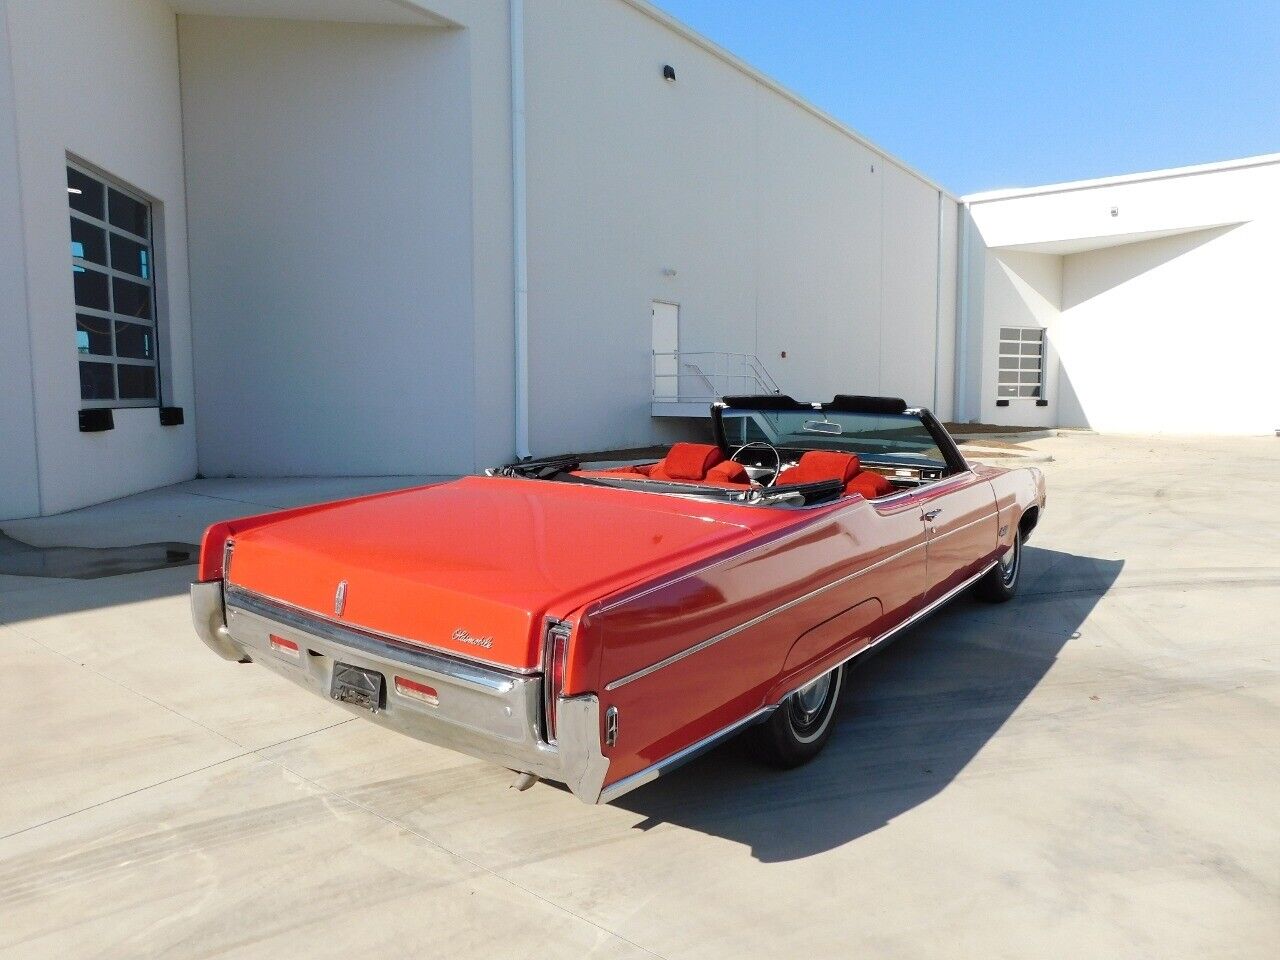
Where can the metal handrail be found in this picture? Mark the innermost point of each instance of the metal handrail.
(703, 376)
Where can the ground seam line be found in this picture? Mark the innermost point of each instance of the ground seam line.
(176, 776)
(138, 693)
(391, 821)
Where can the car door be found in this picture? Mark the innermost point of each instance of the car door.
(961, 524)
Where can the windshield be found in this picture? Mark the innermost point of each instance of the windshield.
(873, 437)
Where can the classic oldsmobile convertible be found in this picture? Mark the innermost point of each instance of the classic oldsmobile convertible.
(599, 627)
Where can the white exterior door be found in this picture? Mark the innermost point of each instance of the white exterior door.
(666, 343)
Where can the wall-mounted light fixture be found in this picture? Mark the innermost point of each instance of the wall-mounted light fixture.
(1115, 211)
(669, 73)
(669, 271)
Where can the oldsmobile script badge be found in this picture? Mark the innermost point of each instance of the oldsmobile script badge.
(462, 636)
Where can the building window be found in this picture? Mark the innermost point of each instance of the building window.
(113, 274)
(1021, 370)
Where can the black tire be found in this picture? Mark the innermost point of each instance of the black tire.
(798, 730)
(1001, 583)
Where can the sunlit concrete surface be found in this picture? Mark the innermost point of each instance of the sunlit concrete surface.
(1092, 770)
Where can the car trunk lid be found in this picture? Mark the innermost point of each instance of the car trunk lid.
(474, 566)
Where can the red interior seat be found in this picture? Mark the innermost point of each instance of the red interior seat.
(687, 462)
(870, 484)
(818, 466)
(697, 463)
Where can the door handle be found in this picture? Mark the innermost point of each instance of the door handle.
(931, 516)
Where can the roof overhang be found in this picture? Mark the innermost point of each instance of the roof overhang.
(402, 12)
(1070, 245)
(1171, 173)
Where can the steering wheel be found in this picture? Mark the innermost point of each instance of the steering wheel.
(768, 446)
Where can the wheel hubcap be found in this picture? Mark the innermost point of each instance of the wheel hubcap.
(810, 698)
(1009, 563)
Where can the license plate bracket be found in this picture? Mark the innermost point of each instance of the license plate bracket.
(358, 686)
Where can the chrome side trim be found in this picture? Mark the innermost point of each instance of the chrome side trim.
(663, 767)
(847, 502)
(315, 622)
(755, 621)
(910, 621)
(210, 621)
(464, 670)
(681, 757)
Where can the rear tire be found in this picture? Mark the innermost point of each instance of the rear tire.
(1001, 583)
(798, 730)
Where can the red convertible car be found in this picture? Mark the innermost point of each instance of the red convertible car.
(600, 627)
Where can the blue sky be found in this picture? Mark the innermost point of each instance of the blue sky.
(999, 94)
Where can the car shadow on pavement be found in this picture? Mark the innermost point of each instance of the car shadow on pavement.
(911, 718)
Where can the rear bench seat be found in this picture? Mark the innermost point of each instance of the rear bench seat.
(704, 463)
(697, 463)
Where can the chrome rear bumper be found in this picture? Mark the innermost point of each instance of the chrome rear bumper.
(481, 711)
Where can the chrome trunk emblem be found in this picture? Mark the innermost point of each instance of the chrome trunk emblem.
(340, 599)
(462, 636)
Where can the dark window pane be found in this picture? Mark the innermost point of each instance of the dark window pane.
(136, 383)
(88, 242)
(1007, 391)
(127, 213)
(84, 193)
(136, 341)
(129, 256)
(1031, 349)
(95, 381)
(132, 299)
(1030, 363)
(1028, 391)
(91, 288)
(93, 335)
(1008, 377)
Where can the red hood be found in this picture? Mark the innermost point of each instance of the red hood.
(484, 557)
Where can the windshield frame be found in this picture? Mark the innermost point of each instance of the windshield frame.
(774, 403)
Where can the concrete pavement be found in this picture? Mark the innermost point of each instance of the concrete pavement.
(1092, 770)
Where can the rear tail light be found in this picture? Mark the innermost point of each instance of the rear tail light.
(287, 647)
(557, 655)
(215, 551)
(417, 691)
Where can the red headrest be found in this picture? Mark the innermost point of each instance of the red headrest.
(689, 461)
(819, 465)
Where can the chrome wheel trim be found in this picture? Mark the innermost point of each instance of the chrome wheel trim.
(809, 697)
(810, 709)
(1010, 561)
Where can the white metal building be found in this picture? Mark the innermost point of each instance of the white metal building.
(1152, 298)
(326, 237)
(383, 238)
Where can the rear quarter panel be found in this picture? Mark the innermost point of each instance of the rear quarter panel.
(796, 601)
